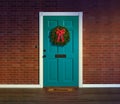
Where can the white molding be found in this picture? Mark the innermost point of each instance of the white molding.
(80, 49)
(101, 85)
(41, 14)
(41, 49)
(19, 86)
(60, 13)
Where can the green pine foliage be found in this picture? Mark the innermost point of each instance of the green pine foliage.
(53, 36)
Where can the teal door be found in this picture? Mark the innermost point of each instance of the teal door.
(60, 71)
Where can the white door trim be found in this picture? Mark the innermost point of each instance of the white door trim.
(41, 14)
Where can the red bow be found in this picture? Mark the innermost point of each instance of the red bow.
(60, 34)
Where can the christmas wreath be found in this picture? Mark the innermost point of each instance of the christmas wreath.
(59, 35)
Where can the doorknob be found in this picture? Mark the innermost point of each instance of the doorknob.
(44, 56)
(44, 50)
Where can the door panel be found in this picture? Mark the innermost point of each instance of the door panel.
(60, 71)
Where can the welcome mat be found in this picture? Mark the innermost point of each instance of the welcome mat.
(61, 89)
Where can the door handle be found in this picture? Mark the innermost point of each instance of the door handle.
(44, 56)
(44, 50)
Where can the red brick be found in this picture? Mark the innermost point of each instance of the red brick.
(19, 36)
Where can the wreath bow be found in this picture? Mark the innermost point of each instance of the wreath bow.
(59, 36)
(60, 33)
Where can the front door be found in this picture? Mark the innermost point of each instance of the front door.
(60, 71)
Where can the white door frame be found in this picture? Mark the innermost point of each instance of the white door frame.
(41, 14)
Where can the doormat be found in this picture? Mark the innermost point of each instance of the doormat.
(60, 89)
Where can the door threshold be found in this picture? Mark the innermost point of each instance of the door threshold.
(60, 89)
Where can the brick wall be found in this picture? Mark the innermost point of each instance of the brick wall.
(102, 42)
(19, 39)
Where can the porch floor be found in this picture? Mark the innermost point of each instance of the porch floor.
(79, 96)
